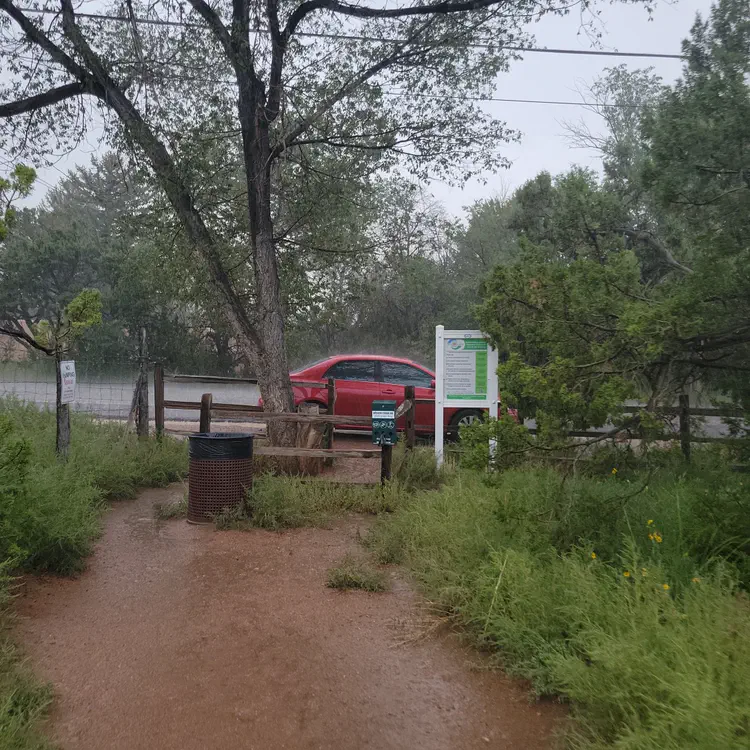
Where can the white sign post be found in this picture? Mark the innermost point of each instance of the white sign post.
(465, 376)
(68, 377)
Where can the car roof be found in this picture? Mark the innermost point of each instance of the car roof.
(376, 357)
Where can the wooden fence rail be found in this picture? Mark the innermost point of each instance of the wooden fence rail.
(683, 411)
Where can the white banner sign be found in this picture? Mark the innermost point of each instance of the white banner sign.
(68, 377)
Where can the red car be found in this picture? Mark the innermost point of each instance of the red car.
(364, 378)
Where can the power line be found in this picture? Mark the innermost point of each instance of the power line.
(362, 38)
(408, 95)
(404, 95)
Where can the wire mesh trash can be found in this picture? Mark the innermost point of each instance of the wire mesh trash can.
(220, 473)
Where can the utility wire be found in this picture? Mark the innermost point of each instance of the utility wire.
(407, 95)
(361, 38)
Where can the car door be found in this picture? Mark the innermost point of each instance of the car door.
(396, 376)
(356, 387)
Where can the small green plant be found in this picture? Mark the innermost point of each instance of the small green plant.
(167, 511)
(355, 573)
(233, 519)
(513, 444)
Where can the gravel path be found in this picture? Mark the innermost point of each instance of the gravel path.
(181, 637)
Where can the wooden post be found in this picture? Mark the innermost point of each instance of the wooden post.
(159, 399)
(685, 425)
(386, 460)
(328, 434)
(205, 421)
(141, 423)
(411, 417)
(62, 437)
(310, 435)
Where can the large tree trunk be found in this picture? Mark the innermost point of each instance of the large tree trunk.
(272, 365)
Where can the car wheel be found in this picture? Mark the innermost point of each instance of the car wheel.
(463, 418)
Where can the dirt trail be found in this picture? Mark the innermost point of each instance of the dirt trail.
(181, 637)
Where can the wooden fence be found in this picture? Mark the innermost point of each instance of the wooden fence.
(207, 409)
(683, 411)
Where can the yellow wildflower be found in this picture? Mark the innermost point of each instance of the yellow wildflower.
(649, 522)
(627, 574)
(657, 538)
(614, 471)
(665, 586)
(593, 555)
(651, 537)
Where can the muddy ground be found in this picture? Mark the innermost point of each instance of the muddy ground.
(178, 636)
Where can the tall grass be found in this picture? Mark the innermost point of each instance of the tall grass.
(283, 502)
(49, 511)
(616, 593)
(49, 517)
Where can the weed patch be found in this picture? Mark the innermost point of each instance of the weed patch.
(167, 511)
(290, 502)
(354, 573)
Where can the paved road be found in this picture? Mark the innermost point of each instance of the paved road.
(110, 396)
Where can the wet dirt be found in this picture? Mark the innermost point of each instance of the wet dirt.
(178, 636)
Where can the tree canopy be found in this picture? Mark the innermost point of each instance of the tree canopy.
(637, 285)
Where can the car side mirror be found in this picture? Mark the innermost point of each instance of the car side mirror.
(432, 384)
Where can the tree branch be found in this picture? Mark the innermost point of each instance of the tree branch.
(288, 139)
(18, 333)
(44, 42)
(220, 31)
(278, 48)
(53, 96)
(357, 11)
(651, 241)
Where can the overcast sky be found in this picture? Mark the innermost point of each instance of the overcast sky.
(624, 28)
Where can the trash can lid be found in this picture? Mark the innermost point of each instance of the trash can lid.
(220, 445)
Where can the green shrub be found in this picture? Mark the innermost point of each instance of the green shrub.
(354, 573)
(513, 444)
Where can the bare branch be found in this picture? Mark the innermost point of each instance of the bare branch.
(53, 96)
(358, 11)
